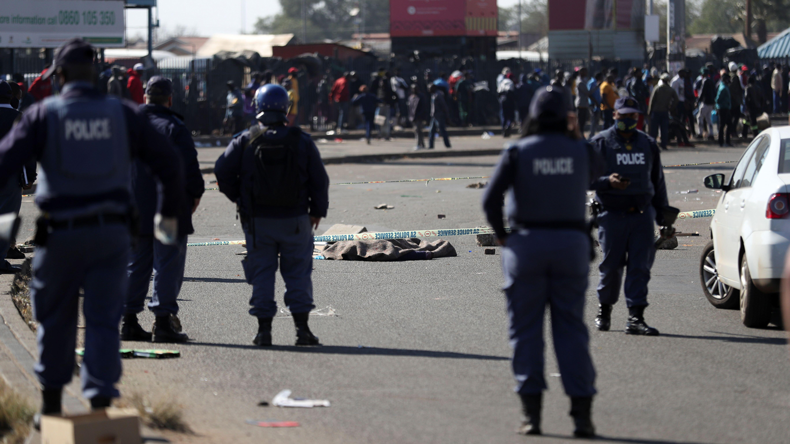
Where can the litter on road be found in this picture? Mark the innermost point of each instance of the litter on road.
(128, 353)
(273, 424)
(283, 399)
(383, 207)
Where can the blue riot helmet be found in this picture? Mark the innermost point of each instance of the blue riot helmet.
(271, 104)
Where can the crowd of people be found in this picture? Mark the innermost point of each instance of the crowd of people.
(717, 105)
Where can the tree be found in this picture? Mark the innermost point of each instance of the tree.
(326, 19)
(534, 17)
(728, 16)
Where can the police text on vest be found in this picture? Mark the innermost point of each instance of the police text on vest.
(552, 167)
(87, 130)
(631, 159)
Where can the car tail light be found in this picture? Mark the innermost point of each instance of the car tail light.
(778, 206)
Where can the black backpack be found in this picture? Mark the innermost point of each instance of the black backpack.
(277, 182)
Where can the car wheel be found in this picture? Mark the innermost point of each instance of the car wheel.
(755, 305)
(719, 294)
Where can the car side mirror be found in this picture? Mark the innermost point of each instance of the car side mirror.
(715, 182)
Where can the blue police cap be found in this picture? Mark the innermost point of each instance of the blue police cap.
(74, 52)
(159, 86)
(549, 104)
(5, 90)
(627, 105)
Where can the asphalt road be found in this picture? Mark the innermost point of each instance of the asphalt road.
(417, 352)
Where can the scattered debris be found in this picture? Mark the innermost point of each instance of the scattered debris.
(442, 216)
(487, 135)
(486, 240)
(383, 207)
(477, 185)
(283, 399)
(263, 404)
(690, 192)
(127, 353)
(407, 195)
(20, 293)
(330, 133)
(490, 251)
(273, 424)
(695, 234)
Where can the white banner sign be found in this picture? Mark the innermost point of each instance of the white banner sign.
(49, 23)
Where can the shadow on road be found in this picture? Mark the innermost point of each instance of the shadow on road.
(744, 339)
(604, 438)
(363, 351)
(223, 280)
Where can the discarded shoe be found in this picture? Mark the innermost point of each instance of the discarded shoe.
(131, 330)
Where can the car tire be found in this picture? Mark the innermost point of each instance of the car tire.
(755, 305)
(719, 294)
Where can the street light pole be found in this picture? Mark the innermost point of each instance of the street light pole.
(304, 21)
(519, 32)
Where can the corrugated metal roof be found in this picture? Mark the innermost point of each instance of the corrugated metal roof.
(776, 48)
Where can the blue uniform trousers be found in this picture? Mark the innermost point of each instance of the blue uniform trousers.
(10, 202)
(438, 125)
(292, 239)
(548, 267)
(167, 263)
(94, 259)
(627, 239)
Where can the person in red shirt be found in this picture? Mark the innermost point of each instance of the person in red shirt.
(41, 89)
(135, 84)
(340, 96)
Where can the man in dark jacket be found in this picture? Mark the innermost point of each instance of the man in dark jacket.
(11, 192)
(706, 103)
(149, 254)
(419, 113)
(439, 114)
(368, 104)
(736, 95)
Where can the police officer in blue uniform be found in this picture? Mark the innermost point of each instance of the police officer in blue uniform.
(277, 179)
(85, 143)
(631, 196)
(546, 256)
(148, 254)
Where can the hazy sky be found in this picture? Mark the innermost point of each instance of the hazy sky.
(212, 16)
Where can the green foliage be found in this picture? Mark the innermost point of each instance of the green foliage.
(727, 16)
(326, 19)
(534, 17)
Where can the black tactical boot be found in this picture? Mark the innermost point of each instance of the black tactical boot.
(264, 336)
(531, 406)
(581, 411)
(604, 319)
(636, 323)
(100, 402)
(50, 405)
(303, 334)
(131, 330)
(163, 331)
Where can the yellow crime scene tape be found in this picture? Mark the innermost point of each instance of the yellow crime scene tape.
(421, 234)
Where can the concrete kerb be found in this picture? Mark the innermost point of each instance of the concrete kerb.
(422, 154)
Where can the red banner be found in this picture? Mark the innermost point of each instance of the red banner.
(481, 17)
(596, 14)
(415, 18)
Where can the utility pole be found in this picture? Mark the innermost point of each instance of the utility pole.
(519, 32)
(304, 21)
(747, 24)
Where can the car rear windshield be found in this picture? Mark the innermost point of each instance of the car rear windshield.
(784, 157)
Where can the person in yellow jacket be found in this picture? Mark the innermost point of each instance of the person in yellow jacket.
(293, 93)
(609, 95)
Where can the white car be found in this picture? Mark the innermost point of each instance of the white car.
(743, 264)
